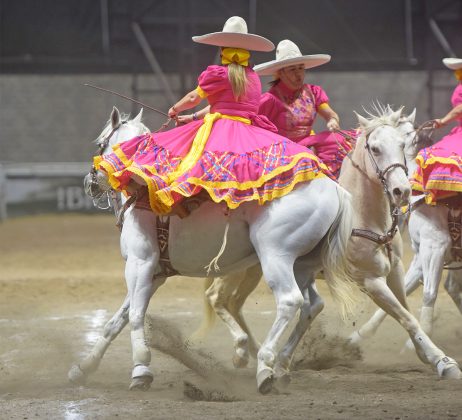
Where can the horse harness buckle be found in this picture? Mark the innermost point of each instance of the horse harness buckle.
(386, 239)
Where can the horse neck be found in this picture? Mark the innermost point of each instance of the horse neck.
(411, 163)
(370, 203)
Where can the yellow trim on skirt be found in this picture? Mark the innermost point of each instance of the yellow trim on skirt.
(161, 201)
(199, 142)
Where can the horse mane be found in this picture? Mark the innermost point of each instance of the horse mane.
(378, 115)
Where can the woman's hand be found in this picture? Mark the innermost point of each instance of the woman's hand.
(184, 119)
(333, 124)
(172, 112)
(438, 123)
(451, 116)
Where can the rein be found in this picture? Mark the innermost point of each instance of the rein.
(427, 125)
(447, 267)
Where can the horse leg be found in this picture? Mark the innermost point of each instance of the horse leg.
(208, 317)
(278, 273)
(394, 282)
(219, 295)
(426, 349)
(139, 244)
(141, 374)
(246, 286)
(453, 286)
(412, 281)
(225, 298)
(432, 251)
(78, 374)
(311, 308)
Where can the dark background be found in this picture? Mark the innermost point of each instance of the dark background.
(87, 36)
(386, 51)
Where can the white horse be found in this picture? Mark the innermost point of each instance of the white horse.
(227, 300)
(309, 227)
(431, 243)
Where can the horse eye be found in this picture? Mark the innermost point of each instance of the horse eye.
(375, 150)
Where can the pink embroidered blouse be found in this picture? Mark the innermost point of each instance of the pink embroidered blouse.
(293, 113)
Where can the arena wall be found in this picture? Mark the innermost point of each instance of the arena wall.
(55, 118)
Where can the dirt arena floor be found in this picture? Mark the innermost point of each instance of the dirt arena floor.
(61, 278)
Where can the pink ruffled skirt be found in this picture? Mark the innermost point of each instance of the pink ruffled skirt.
(330, 147)
(439, 172)
(238, 163)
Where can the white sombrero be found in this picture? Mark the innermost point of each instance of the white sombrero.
(453, 63)
(288, 54)
(235, 35)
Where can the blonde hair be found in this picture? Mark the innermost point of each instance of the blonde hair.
(458, 74)
(238, 79)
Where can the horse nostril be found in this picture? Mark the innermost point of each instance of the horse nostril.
(402, 194)
(397, 192)
(407, 193)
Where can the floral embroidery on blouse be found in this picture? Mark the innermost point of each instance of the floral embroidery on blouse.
(301, 112)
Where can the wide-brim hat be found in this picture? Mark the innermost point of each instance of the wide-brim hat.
(235, 35)
(453, 63)
(288, 54)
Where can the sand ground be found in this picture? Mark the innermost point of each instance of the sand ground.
(61, 278)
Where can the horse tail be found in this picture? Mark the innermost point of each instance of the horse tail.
(209, 315)
(341, 284)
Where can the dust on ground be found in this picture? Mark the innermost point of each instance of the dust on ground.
(61, 279)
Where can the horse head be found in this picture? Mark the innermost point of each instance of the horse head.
(118, 129)
(416, 138)
(383, 153)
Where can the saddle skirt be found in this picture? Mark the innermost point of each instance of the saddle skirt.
(163, 227)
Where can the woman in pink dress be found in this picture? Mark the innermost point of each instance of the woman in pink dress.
(293, 105)
(233, 154)
(439, 172)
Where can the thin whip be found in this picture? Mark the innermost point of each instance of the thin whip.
(127, 97)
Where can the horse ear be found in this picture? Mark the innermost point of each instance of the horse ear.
(363, 122)
(115, 117)
(139, 116)
(411, 116)
(394, 118)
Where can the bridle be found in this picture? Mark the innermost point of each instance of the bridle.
(112, 199)
(105, 199)
(94, 188)
(387, 238)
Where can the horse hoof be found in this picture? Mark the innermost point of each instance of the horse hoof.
(141, 378)
(283, 381)
(448, 369)
(76, 375)
(265, 381)
(141, 383)
(240, 362)
(281, 376)
(355, 338)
